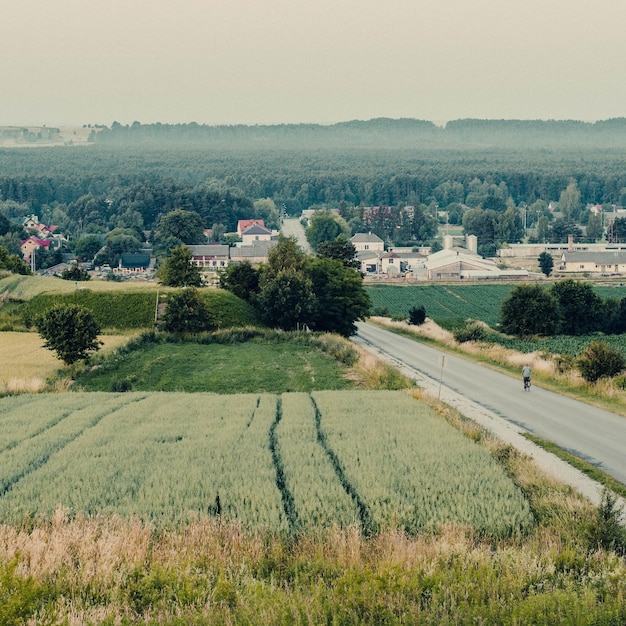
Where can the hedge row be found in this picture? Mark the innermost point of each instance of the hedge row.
(130, 310)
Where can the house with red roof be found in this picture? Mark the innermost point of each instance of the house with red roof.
(243, 225)
(33, 243)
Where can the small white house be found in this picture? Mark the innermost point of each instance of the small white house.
(255, 233)
(367, 242)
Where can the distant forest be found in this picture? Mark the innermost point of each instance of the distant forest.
(377, 133)
(129, 176)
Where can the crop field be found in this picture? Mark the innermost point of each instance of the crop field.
(25, 287)
(448, 305)
(25, 363)
(298, 461)
(451, 305)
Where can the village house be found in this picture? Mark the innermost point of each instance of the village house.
(243, 225)
(255, 233)
(255, 253)
(401, 260)
(593, 262)
(32, 244)
(210, 256)
(367, 242)
(134, 263)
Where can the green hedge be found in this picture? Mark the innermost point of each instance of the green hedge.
(111, 309)
(129, 310)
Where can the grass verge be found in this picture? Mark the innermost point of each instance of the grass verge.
(586, 468)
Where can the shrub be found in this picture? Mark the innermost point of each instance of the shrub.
(472, 331)
(417, 315)
(606, 531)
(187, 312)
(599, 360)
(75, 273)
(381, 311)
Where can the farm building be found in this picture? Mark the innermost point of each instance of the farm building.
(594, 262)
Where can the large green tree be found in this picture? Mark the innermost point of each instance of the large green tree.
(529, 310)
(242, 279)
(569, 201)
(581, 309)
(341, 249)
(178, 270)
(287, 300)
(178, 227)
(546, 263)
(87, 247)
(326, 226)
(285, 254)
(341, 298)
(12, 262)
(70, 330)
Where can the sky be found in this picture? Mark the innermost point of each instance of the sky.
(77, 62)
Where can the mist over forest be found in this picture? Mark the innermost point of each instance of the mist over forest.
(129, 177)
(377, 133)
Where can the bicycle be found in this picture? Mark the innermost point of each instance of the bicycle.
(526, 384)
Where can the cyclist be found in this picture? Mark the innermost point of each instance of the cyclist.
(526, 377)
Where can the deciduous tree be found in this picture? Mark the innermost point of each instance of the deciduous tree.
(529, 310)
(341, 298)
(178, 269)
(70, 330)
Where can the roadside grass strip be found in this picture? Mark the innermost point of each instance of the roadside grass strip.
(413, 470)
(318, 496)
(163, 457)
(65, 423)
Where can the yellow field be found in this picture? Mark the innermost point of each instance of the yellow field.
(25, 287)
(25, 364)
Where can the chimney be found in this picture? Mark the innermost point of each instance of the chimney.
(570, 243)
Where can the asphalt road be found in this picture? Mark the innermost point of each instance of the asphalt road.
(291, 227)
(593, 434)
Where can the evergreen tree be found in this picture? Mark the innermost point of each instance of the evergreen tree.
(546, 263)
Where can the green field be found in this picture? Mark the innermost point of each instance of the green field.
(451, 305)
(291, 462)
(266, 363)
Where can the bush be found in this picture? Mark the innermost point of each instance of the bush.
(417, 315)
(381, 311)
(607, 532)
(472, 331)
(599, 360)
(187, 312)
(75, 273)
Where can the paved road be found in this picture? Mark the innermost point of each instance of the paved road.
(291, 227)
(593, 434)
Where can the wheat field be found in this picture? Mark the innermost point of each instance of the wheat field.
(25, 364)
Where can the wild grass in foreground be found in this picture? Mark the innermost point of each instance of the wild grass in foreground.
(109, 570)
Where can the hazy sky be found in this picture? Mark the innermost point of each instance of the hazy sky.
(80, 62)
